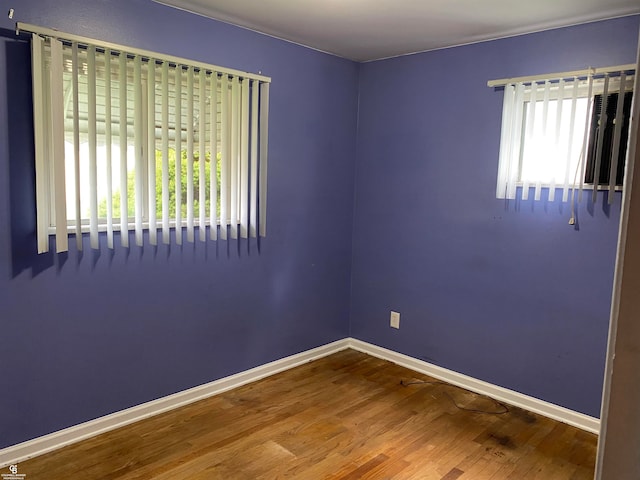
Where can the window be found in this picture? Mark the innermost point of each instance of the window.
(557, 132)
(610, 144)
(130, 140)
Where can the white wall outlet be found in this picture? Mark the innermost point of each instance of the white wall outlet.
(394, 321)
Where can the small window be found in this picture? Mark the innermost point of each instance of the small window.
(552, 135)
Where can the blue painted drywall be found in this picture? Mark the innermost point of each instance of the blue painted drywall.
(505, 292)
(86, 335)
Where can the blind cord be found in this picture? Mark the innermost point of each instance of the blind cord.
(572, 220)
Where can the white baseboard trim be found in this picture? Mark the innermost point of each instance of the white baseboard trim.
(47, 443)
(532, 404)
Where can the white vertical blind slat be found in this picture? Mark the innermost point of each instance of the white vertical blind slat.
(202, 143)
(545, 133)
(139, 162)
(108, 140)
(189, 200)
(602, 122)
(213, 165)
(531, 118)
(585, 140)
(235, 153)
(253, 203)
(264, 150)
(122, 92)
(224, 160)
(557, 157)
(151, 151)
(178, 148)
(93, 167)
(144, 143)
(506, 137)
(617, 132)
(166, 227)
(57, 146)
(76, 143)
(515, 143)
(40, 140)
(570, 153)
(244, 159)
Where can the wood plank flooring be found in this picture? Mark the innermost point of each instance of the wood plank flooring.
(343, 417)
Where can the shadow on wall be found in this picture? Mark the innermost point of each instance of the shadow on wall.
(544, 205)
(21, 158)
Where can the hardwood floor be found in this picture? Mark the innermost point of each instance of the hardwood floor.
(343, 417)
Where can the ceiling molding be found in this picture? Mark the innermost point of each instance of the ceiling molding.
(365, 31)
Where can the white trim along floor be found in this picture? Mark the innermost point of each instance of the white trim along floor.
(38, 446)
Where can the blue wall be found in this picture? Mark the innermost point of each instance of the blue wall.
(86, 335)
(508, 293)
(505, 292)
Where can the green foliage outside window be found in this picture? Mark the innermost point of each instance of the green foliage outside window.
(131, 180)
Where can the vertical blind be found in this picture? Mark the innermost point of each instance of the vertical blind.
(546, 127)
(131, 140)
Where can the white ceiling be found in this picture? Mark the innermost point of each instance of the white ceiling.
(372, 29)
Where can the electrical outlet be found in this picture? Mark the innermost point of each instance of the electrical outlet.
(394, 321)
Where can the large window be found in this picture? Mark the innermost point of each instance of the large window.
(129, 140)
(557, 132)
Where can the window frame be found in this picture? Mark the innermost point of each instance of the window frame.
(514, 126)
(247, 101)
(582, 94)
